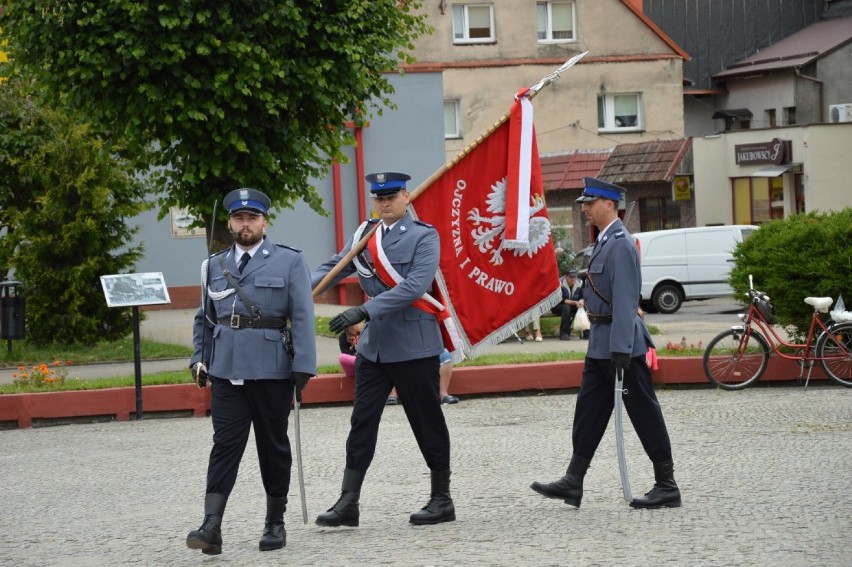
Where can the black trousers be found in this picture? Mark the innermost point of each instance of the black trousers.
(595, 403)
(264, 404)
(566, 312)
(416, 382)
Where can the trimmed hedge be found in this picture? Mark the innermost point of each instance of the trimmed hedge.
(806, 255)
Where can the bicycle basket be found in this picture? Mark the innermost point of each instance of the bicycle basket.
(766, 309)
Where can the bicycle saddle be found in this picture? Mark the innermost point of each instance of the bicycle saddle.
(820, 304)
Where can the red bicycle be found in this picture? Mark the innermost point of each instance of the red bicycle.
(738, 357)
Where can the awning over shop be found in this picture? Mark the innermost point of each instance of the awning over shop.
(647, 162)
(732, 113)
(772, 170)
(566, 170)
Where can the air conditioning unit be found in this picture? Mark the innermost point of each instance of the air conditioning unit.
(840, 113)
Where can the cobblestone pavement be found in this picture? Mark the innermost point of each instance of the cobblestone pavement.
(763, 474)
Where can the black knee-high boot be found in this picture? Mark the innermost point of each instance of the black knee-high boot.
(570, 487)
(208, 538)
(345, 511)
(665, 493)
(440, 507)
(274, 535)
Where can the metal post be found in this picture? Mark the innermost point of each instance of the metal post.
(137, 362)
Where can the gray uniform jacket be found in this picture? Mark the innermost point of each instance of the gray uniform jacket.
(277, 281)
(397, 331)
(614, 270)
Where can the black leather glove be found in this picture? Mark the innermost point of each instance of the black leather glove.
(347, 319)
(300, 380)
(199, 374)
(621, 360)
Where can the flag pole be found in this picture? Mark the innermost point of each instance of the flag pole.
(531, 93)
(362, 243)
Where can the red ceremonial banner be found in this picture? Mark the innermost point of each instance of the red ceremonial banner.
(492, 290)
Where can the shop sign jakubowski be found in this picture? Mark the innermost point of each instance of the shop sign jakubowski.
(775, 152)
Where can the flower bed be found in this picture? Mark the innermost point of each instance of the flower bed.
(23, 410)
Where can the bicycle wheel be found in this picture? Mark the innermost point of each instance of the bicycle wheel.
(735, 358)
(834, 350)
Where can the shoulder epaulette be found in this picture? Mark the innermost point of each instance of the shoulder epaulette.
(618, 234)
(220, 252)
(289, 248)
(426, 224)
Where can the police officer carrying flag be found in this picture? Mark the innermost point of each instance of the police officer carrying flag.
(618, 340)
(254, 342)
(399, 347)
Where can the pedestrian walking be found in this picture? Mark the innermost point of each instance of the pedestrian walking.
(618, 340)
(399, 347)
(254, 342)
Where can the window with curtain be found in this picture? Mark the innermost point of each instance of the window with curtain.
(473, 23)
(555, 21)
(620, 112)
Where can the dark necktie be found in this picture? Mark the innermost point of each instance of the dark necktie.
(243, 261)
(385, 231)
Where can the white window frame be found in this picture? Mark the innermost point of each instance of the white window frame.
(451, 133)
(610, 119)
(461, 19)
(548, 31)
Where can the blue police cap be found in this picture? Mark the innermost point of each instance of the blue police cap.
(246, 199)
(386, 183)
(596, 189)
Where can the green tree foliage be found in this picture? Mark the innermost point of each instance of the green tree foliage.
(64, 207)
(234, 93)
(800, 256)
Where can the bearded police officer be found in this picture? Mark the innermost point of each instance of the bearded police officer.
(255, 342)
(399, 347)
(619, 339)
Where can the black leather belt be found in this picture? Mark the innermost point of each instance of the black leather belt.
(595, 318)
(244, 322)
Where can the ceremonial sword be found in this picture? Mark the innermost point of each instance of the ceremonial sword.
(619, 436)
(296, 403)
(619, 430)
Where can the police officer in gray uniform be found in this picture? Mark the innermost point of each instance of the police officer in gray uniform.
(399, 347)
(619, 339)
(255, 342)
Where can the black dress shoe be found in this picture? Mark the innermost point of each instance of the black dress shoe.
(449, 399)
(564, 337)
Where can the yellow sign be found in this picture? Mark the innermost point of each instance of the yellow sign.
(680, 188)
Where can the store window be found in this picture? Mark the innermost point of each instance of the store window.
(658, 213)
(758, 199)
(473, 23)
(620, 112)
(555, 21)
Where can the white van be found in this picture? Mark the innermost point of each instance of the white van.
(687, 263)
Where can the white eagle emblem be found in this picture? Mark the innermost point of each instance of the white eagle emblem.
(490, 227)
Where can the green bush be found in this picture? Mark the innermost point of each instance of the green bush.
(805, 255)
(66, 200)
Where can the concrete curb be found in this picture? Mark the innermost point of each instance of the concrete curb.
(27, 410)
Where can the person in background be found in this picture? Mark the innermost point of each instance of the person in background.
(348, 341)
(257, 316)
(535, 326)
(446, 374)
(572, 299)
